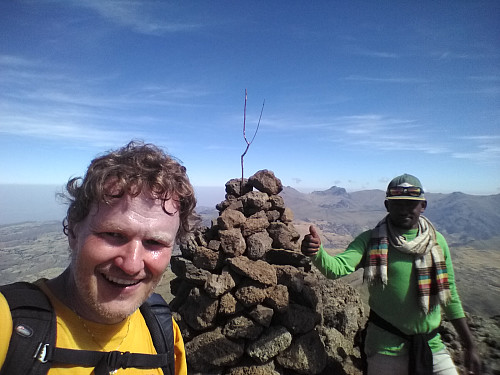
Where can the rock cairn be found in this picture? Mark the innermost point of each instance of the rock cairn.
(248, 302)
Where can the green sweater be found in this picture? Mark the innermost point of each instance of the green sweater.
(397, 302)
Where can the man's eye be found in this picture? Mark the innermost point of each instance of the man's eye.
(154, 244)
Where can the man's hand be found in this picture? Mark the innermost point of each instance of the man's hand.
(472, 361)
(471, 356)
(311, 242)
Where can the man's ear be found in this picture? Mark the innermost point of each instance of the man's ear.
(423, 207)
(71, 237)
(386, 204)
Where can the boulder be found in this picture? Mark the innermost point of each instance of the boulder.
(265, 181)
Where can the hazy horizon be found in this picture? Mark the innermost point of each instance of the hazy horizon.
(39, 202)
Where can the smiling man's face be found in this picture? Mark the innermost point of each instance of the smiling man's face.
(119, 254)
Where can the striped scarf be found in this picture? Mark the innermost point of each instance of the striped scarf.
(430, 266)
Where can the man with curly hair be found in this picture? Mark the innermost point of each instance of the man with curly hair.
(124, 218)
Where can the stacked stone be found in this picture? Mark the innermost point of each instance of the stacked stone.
(246, 299)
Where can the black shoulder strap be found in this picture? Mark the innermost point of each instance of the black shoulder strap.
(158, 318)
(34, 329)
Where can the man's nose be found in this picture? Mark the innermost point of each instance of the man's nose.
(130, 259)
(404, 205)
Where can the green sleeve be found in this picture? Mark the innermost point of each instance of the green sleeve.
(344, 263)
(453, 309)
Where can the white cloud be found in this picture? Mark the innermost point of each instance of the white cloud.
(15, 61)
(66, 130)
(34, 89)
(451, 55)
(372, 53)
(385, 80)
(373, 124)
(485, 78)
(142, 17)
(484, 149)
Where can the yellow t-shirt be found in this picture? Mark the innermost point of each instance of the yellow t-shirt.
(73, 332)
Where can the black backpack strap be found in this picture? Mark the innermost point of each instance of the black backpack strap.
(34, 329)
(158, 318)
(106, 362)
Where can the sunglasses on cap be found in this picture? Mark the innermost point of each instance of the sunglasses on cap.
(411, 191)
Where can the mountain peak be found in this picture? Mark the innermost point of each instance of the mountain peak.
(334, 190)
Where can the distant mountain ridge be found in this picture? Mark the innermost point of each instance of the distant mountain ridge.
(460, 217)
(36, 249)
(469, 223)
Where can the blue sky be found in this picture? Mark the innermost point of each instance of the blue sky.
(356, 92)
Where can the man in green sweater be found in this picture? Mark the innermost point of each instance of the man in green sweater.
(408, 268)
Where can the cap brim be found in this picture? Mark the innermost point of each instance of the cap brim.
(406, 197)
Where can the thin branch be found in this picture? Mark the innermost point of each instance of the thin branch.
(245, 136)
(258, 124)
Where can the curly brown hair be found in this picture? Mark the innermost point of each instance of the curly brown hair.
(130, 170)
